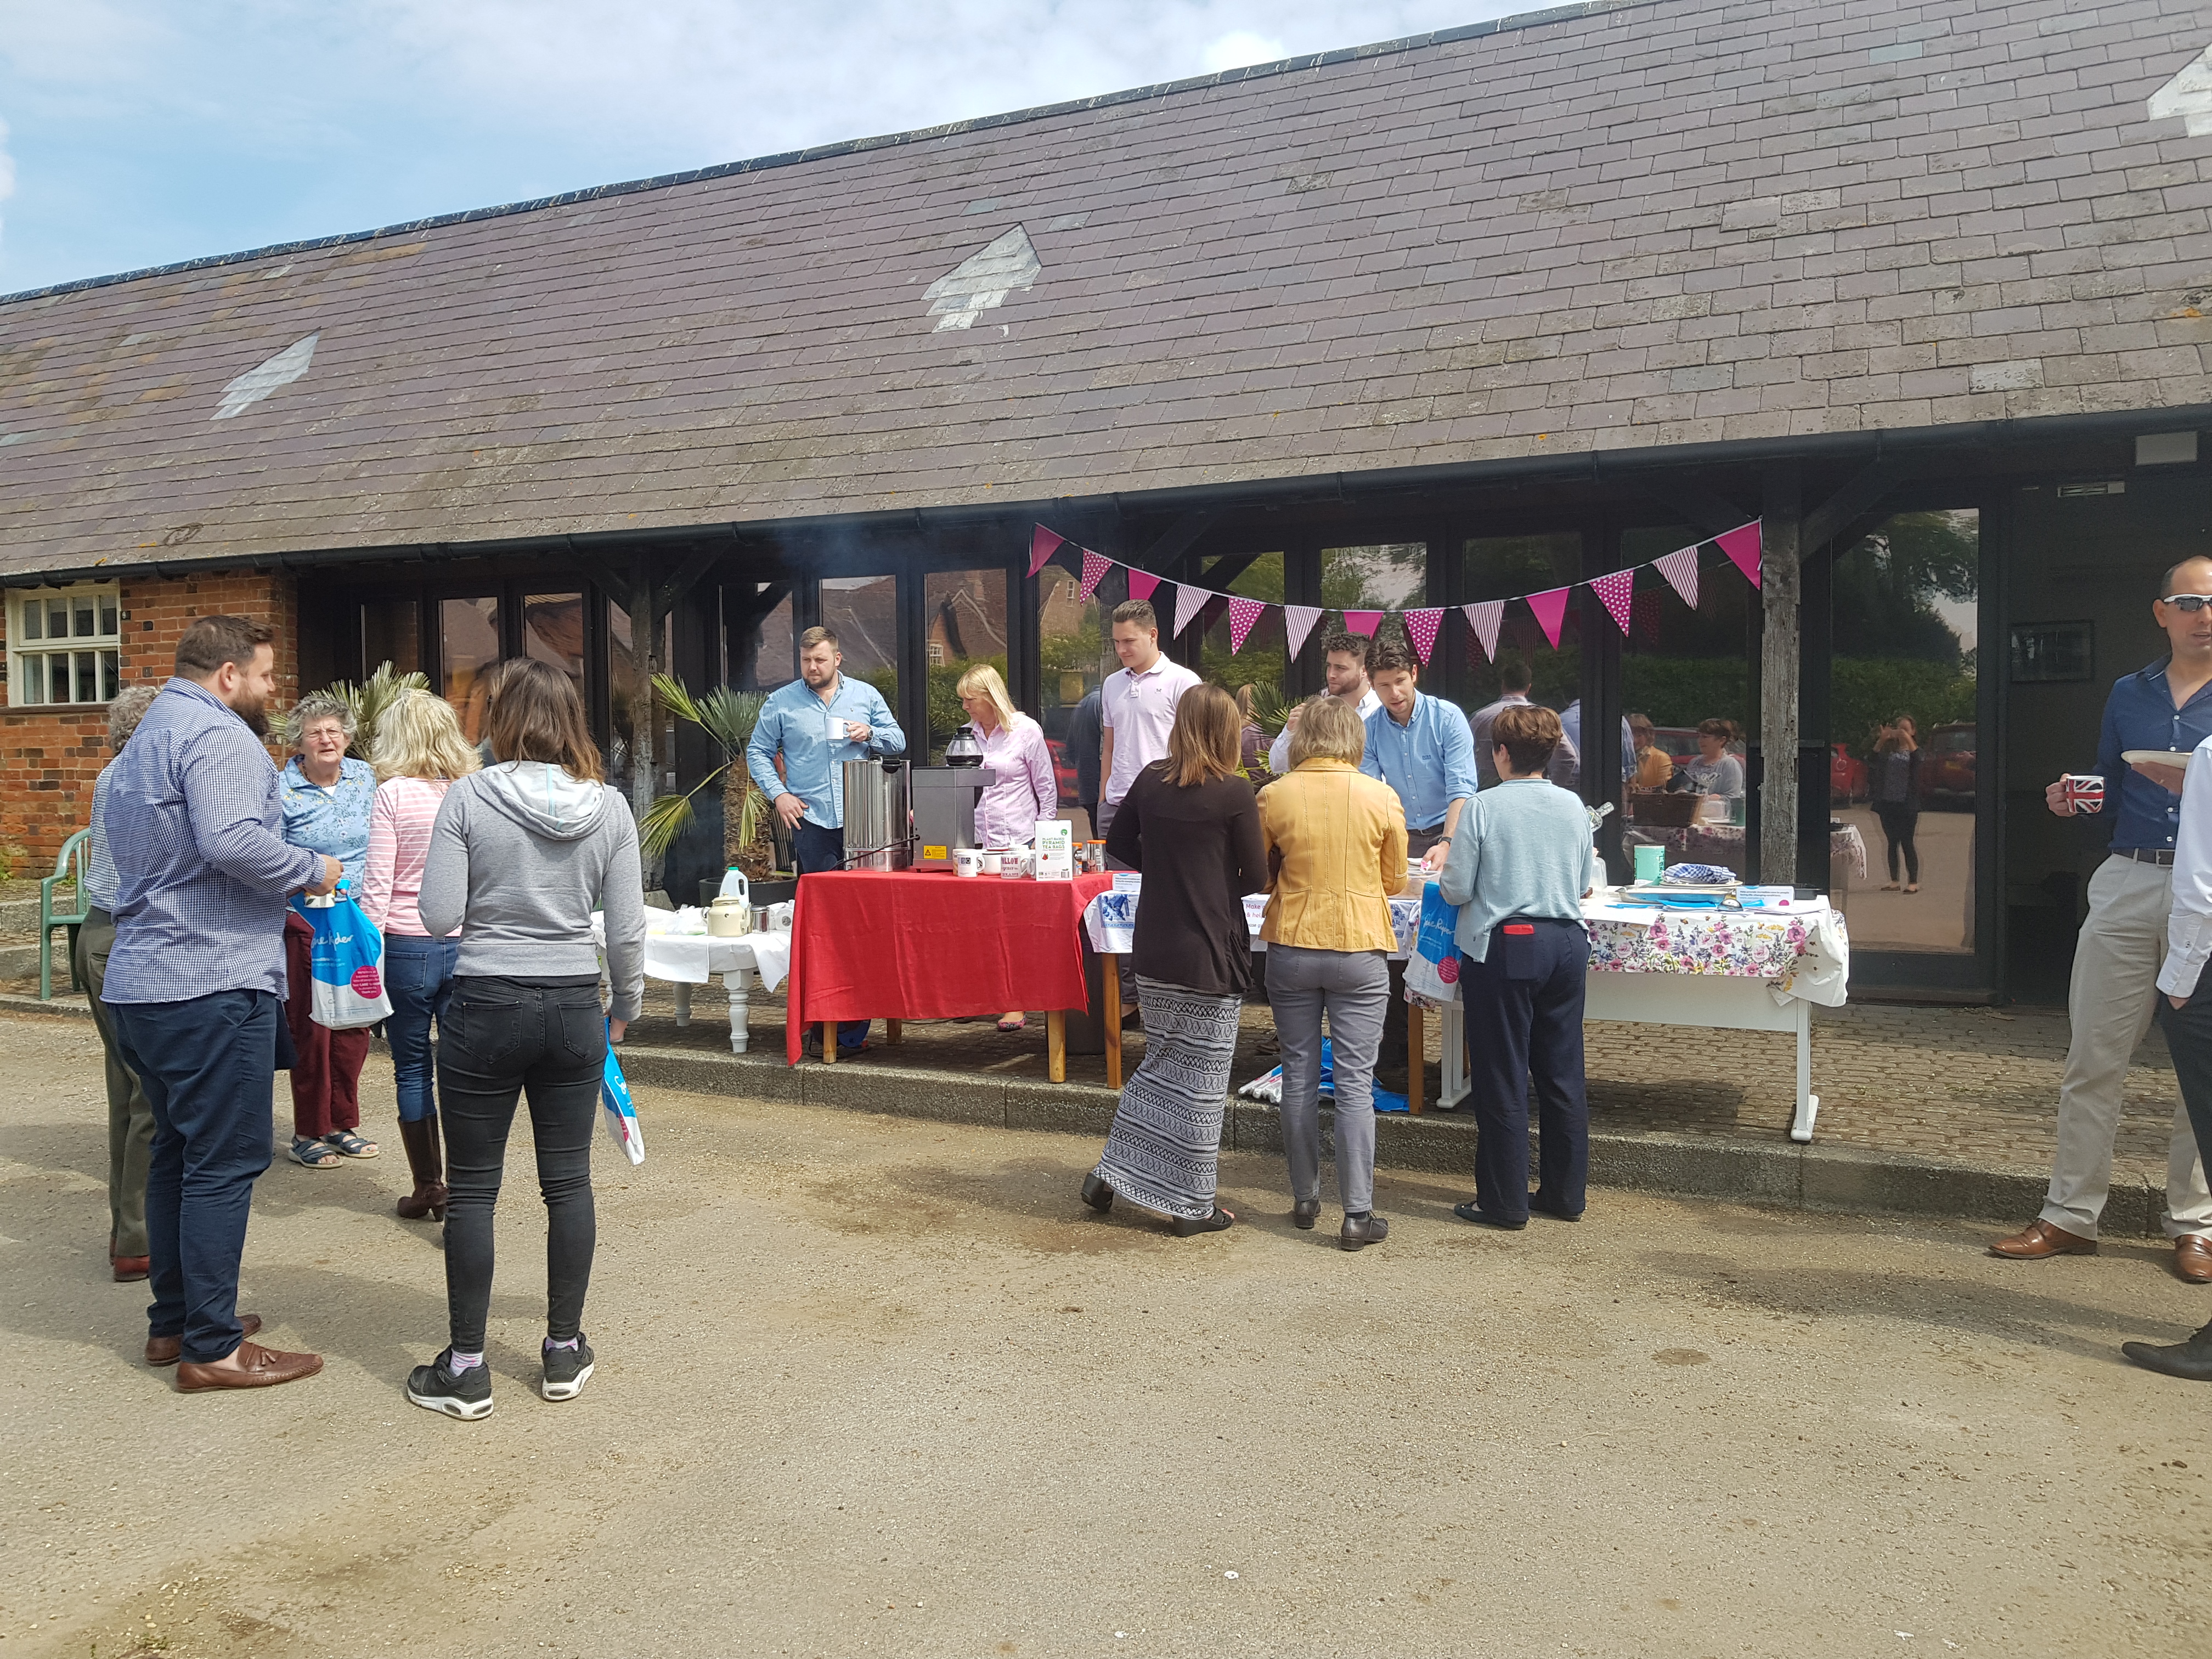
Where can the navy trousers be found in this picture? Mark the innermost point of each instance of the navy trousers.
(1524, 1005)
(814, 848)
(209, 1067)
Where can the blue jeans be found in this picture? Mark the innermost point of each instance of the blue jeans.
(418, 973)
(209, 1067)
(813, 849)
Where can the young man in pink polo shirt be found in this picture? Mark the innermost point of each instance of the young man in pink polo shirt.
(1136, 706)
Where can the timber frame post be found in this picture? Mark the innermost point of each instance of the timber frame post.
(1781, 585)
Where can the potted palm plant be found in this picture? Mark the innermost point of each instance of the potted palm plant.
(370, 698)
(728, 718)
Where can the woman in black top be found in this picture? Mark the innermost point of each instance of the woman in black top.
(1894, 784)
(1192, 826)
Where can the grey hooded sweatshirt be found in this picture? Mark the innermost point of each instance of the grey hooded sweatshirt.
(521, 856)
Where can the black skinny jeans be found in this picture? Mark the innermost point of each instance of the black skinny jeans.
(504, 1037)
(1899, 821)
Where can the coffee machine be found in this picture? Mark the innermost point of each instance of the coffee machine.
(944, 799)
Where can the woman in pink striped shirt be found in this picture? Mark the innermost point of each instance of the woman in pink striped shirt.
(419, 750)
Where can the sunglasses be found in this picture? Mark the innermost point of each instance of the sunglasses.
(2187, 604)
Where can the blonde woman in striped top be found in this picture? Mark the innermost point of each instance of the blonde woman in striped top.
(419, 751)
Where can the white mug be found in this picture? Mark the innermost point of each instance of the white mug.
(966, 861)
(1017, 863)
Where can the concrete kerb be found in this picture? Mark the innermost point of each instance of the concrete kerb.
(1780, 1173)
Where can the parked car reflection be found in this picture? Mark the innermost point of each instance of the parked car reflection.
(1947, 766)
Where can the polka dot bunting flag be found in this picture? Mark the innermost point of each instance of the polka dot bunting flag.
(1421, 627)
(1618, 592)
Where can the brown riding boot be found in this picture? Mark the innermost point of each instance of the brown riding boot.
(426, 1160)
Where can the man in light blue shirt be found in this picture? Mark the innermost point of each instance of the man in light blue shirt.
(816, 724)
(1570, 730)
(1421, 747)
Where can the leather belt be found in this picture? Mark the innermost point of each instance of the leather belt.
(2161, 855)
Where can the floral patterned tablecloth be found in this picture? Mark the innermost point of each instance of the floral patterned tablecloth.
(1741, 943)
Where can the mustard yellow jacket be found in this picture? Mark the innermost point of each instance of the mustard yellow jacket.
(1336, 844)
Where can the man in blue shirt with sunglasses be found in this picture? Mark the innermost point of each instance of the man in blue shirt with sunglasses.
(2166, 706)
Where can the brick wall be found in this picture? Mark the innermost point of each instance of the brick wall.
(49, 757)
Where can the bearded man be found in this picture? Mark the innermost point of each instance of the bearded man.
(195, 986)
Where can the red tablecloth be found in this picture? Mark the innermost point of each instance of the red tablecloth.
(930, 945)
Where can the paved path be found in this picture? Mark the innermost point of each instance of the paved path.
(871, 1384)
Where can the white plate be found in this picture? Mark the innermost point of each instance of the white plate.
(2155, 756)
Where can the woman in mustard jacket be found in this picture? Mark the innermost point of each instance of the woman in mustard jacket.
(1336, 851)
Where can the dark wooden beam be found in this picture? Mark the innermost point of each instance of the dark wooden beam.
(1703, 508)
(1780, 578)
(1161, 556)
(1858, 497)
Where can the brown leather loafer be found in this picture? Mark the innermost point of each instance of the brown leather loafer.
(2192, 1258)
(168, 1350)
(263, 1368)
(130, 1269)
(2040, 1239)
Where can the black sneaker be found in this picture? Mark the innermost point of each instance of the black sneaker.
(436, 1388)
(567, 1369)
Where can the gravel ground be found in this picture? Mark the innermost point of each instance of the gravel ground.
(872, 1385)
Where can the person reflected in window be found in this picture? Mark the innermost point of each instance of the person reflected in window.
(1714, 770)
(1655, 767)
(1894, 788)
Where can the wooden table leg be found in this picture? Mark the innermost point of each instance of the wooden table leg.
(828, 1043)
(1417, 1043)
(894, 1030)
(1055, 1044)
(1112, 980)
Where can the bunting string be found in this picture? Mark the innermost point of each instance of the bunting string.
(1615, 590)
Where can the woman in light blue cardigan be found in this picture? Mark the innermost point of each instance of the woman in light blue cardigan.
(1519, 868)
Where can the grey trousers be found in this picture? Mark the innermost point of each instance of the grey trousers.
(1353, 986)
(130, 1118)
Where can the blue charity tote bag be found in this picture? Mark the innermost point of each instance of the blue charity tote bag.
(621, 1115)
(347, 962)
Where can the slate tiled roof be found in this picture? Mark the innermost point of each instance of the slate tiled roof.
(1630, 225)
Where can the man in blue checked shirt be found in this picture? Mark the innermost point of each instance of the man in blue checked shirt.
(1422, 747)
(193, 984)
(2166, 706)
(816, 724)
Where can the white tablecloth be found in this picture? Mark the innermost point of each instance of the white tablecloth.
(695, 958)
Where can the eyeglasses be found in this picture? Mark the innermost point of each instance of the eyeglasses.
(2187, 604)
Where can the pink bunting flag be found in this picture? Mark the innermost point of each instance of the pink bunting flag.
(1618, 593)
(1042, 545)
(1095, 566)
(1551, 609)
(1742, 544)
(1680, 567)
(1143, 584)
(1189, 601)
(1298, 621)
(1243, 613)
(1482, 620)
(1421, 627)
(1362, 622)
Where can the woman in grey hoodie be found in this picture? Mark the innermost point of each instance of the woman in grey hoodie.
(522, 853)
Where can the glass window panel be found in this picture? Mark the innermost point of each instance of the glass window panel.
(390, 632)
(1508, 567)
(111, 675)
(58, 619)
(1074, 656)
(1905, 622)
(1264, 663)
(764, 645)
(33, 687)
(35, 621)
(87, 676)
(863, 612)
(109, 622)
(628, 690)
(57, 677)
(468, 644)
(86, 617)
(964, 623)
(1382, 576)
(553, 632)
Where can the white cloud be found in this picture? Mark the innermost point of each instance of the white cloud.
(1242, 48)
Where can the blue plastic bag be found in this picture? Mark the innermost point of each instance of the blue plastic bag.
(347, 960)
(621, 1114)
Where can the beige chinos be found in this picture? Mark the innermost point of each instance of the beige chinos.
(2111, 999)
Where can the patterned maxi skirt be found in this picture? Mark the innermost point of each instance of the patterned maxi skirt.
(1166, 1144)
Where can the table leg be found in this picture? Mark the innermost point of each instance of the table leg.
(1417, 1045)
(1112, 980)
(828, 1043)
(739, 980)
(683, 1004)
(1055, 1044)
(894, 1030)
(1808, 1104)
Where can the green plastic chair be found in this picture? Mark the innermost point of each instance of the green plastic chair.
(70, 865)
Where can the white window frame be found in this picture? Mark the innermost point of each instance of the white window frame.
(34, 649)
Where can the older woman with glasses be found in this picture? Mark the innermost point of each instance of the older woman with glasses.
(326, 796)
(1336, 841)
